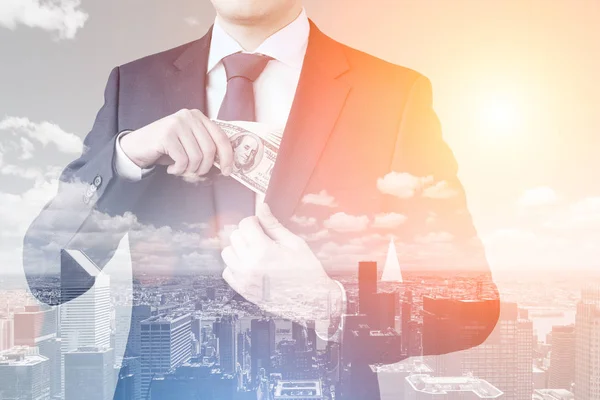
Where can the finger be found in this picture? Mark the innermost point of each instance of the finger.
(233, 282)
(229, 278)
(164, 160)
(192, 149)
(271, 225)
(174, 149)
(238, 244)
(223, 144)
(252, 232)
(230, 258)
(205, 140)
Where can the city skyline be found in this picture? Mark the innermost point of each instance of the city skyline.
(218, 346)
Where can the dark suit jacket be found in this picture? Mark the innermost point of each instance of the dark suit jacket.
(362, 157)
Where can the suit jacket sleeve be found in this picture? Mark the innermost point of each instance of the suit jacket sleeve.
(445, 240)
(92, 210)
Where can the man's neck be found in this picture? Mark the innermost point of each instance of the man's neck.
(250, 36)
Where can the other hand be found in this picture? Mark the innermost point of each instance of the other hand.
(275, 269)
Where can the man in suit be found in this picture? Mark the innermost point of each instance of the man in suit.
(361, 160)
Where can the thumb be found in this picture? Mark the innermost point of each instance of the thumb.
(271, 225)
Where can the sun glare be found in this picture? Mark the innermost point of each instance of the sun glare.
(500, 115)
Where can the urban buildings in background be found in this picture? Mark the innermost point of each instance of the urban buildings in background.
(188, 337)
(587, 345)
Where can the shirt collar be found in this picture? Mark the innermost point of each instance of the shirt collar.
(288, 45)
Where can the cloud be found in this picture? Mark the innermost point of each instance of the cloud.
(43, 133)
(27, 148)
(581, 215)
(402, 184)
(21, 172)
(440, 190)
(389, 220)
(345, 255)
(511, 235)
(316, 236)
(434, 237)
(538, 197)
(333, 251)
(17, 211)
(64, 17)
(431, 218)
(370, 239)
(320, 199)
(343, 222)
(303, 221)
(22, 142)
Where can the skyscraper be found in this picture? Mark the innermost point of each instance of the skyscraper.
(242, 350)
(128, 320)
(24, 374)
(505, 359)
(128, 372)
(587, 345)
(85, 318)
(195, 380)
(458, 320)
(6, 334)
(197, 327)
(524, 358)
(406, 321)
(391, 268)
(228, 344)
(561, 373)
(165, 345)
(385, 317)
(299, 334)
(36, 327)
(262, 346)
(367, 286)
(89, 374)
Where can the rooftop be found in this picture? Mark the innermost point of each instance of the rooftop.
(553, 394)
(445, 385)
(298, 388)
(166, 318)
(411, 365)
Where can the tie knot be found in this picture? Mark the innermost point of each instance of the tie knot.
(245, 65)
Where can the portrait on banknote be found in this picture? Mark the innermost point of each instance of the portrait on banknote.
(247, 151)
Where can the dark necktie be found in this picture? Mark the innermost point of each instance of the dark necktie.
(234, 201)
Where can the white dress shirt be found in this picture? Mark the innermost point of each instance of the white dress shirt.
(274, 89)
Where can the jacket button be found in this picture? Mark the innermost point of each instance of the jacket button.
(97, 181)
(86, 199)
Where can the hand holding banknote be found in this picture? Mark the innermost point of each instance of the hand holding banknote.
(187, 141)
(190, 144)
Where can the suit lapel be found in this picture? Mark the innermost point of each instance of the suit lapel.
(185, 86)
(320, 97)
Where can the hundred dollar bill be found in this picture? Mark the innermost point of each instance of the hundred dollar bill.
(255, 148)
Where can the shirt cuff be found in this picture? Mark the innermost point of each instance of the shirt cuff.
(126, 168)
